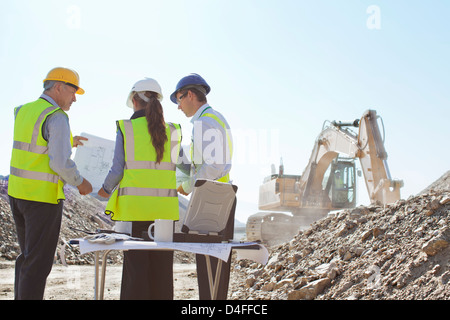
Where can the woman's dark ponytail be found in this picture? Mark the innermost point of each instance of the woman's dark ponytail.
(155, 122)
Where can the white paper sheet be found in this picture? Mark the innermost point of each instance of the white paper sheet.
(94, 159)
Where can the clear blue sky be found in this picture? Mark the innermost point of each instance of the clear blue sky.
(277, 69)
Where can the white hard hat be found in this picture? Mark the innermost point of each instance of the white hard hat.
(147, 84)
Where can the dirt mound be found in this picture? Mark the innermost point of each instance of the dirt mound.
(441, 184)
(398, 251)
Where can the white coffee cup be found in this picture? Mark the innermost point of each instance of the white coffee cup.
(163, 230)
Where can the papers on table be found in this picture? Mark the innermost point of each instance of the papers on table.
(247, 250)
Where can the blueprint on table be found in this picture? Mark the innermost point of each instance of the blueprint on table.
(218, 250)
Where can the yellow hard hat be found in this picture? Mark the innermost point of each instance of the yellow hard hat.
(65, 75)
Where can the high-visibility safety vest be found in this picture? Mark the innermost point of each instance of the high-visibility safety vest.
(225, 178)
(147, 190)
(31, 177)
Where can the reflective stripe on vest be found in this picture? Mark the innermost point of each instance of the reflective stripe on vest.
(147, 190)
(34, 175)
(31, 177)
(25, 146)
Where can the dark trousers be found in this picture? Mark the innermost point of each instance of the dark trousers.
(202, 277)
(38, 225)
(202, 271)
(146, 274)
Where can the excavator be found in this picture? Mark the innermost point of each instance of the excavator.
(328, 182)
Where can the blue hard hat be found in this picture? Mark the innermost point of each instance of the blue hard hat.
(190, 80)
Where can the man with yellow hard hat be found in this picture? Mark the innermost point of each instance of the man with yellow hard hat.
(40, 166)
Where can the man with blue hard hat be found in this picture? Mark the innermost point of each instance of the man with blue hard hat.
(210, 158)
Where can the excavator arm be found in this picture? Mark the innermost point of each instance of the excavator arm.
(367, 146)
(373, 158)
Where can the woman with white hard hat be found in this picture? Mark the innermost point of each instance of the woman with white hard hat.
(141, 187)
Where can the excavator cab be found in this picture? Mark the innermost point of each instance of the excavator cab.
(340, 183)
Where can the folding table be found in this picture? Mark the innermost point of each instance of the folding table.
(245, 250)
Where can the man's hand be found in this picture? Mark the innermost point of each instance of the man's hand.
(181, 190)
(77, 141)
(85, 187)
(102, 193)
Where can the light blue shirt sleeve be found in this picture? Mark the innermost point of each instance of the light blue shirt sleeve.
(115, 174)
(57, 133)
(184, 164)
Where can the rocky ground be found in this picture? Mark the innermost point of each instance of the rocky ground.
(398, 252)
